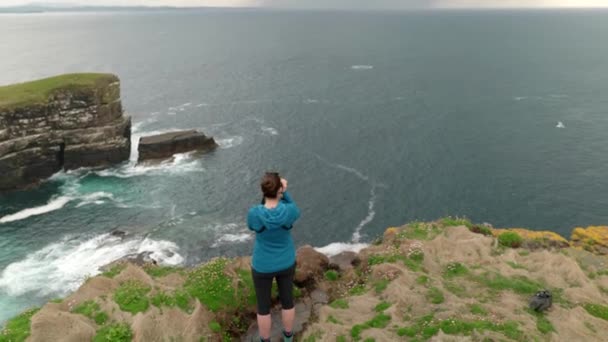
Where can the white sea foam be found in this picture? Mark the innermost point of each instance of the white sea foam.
(311, 101)
(560, 125)
(55, 203)
(61, 267)
(95, 198)
(171, 113)
(231, 238)
(339, 247)
(230, 141)
(362, 67)
(371, 213)
(520, 98)
(269, 130)
(202, 104)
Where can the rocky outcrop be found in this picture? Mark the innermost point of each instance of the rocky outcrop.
(310, 265)
(165, 145)
(65, 122)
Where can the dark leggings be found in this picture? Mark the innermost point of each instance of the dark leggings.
(263, 288)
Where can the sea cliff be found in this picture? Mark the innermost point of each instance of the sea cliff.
(447, 280)
(63, 122)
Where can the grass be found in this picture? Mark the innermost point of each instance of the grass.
(426, 327)
(414, 261)
(38, 92)
(56, 300)
(213, 288)
(215, 327)
(455, 288)
(339, 304)
(357, 290)
(510, 239)
(92, 310)
(435, 296)
(597, 310)
(131, 297)
(332, 319)
(381, 285)
(419, 231)
(114, 270)
(422, 280)
(332, 275)
(18, 329)
(161, 271)
(542, 323)
(382, 306)
(179, 298)
(341, 338)
(483, 230)
(455, 222)
(477, 309)
(517, 284)
(455, 269)
(114, 333)
(379, 321)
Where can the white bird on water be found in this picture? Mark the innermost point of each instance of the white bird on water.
(560, 125)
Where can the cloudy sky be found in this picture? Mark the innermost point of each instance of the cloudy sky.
(348, 4)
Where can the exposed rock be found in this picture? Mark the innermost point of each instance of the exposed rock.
(310, 265)
(593, 239)
(303, 313)
(118, 233)
(165, 145)
(76, 122)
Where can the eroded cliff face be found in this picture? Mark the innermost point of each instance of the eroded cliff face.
(73, 126)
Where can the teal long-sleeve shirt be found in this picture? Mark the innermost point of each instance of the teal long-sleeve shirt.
(273, 249)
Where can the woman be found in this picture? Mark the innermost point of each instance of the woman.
(274, 254)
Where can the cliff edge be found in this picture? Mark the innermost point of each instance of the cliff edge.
(62, 122)
(447, 280)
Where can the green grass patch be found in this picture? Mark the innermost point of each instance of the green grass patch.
(215, 327)
(435, 296)
(419, 231)
(332, 275)
(426, 327)
(510, 239)
(483, 230)
(114, 333)
(114, 270)
(38, 92)
(477, 309)
(131, 297)
(523, 253)
(213, 288)
(297, 292)
(382, 306)
(341, 338)
(455, 269)
(542, 323)
(414, 261)
(379, 321)
(339, 304)
(369, 339)
(56, 300)
(179, 298)
(381, 285)
(357, 290)
(517, 284)
(422, 280)
(332, 319)
(597, 310)
(161, 271)
(455, 222)
(92, 310)
(18, 328)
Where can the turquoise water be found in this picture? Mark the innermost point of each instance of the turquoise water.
(376, 119)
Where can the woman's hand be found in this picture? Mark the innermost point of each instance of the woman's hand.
(284, 184)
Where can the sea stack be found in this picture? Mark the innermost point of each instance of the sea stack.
(63, 122)
(162, 146)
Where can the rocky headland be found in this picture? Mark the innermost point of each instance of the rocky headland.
(162, 146)
(447, 280)
(63, 122)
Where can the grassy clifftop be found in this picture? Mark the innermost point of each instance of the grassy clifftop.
(38, 92)
(447, 280)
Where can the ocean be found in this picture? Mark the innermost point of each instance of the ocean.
(376, 119)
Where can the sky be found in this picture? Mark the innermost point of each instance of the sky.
(335, 4)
